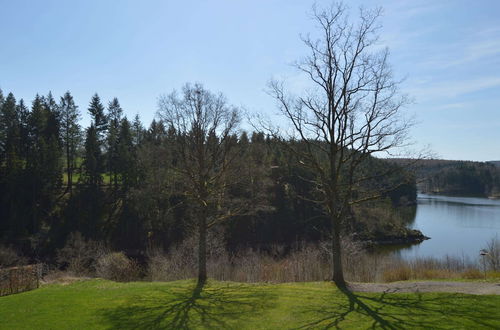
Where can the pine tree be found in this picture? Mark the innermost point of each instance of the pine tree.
(137, 130)
(91, 161)
(7, 112)
(52, 135)
(100, 125)
(99, 118)
(3, 129)
(54, 117)
(23, 114)
(89, 198)
(36, 164)
(70, 133)
(126, 156)
(12, 176)
(114, 114)
(12, 122)
(156, 132)
(10, 134)
(37, 122)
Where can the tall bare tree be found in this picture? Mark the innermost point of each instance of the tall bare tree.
(351, 111)
(203, 154)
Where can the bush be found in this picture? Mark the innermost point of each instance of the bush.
(402, 273)
(493, 274)
(157, 266)
(117, 266)
(429, 274)
(472, 273)
(304, 262)
(79, 256)
(492, 257)
(9, 257)
(182, 260)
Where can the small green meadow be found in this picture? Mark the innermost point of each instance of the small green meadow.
(101, 304)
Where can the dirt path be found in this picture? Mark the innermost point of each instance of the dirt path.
(428, 286)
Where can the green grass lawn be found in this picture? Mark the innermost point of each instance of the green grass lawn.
(100, 304)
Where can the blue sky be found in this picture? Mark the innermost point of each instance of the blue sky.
(448, 51)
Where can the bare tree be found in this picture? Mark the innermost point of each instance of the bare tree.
(203, 155)
(352, 111)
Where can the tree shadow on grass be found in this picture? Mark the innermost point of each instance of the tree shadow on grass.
(201, 306)
(403, 311)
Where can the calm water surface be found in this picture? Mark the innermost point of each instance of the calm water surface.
(457, 226)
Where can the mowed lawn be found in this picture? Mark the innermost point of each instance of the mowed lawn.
(100, 304)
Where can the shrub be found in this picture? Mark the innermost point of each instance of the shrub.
(493, 274)
(401, 273)
(79, 256)
(9, 257)
(472, 273)
(304, 262)
(182, 260)
(492, 256)
(117, 266)
(429, 274)
(157, 266)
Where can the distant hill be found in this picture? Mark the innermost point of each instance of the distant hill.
(494, 162)
(456, 177)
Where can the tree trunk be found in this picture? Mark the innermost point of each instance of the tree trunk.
(202, 249)
(338, 272)
(69, 171)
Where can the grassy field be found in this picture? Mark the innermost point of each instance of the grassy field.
(100, 304)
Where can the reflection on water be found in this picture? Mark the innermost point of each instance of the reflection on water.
(457, 226)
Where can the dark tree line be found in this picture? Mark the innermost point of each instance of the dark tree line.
(460, 178)
(118, 182)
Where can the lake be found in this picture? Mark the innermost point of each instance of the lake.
(457, 226)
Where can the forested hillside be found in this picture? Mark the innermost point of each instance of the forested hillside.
(453, 177)
(112, 182)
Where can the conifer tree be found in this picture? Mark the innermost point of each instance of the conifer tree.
(53, 140)
(7, 130)
(115, 112)
(9, 125)
(12, 123)
(70, 133)
(23, 117)
(126, 156)
(99, 118)
(12, 177)
(100, 125)
(36, 164)
(91, 162)
(114, 115)
(137, 130)
(3, 129)
(53, 117)
(90, 199)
